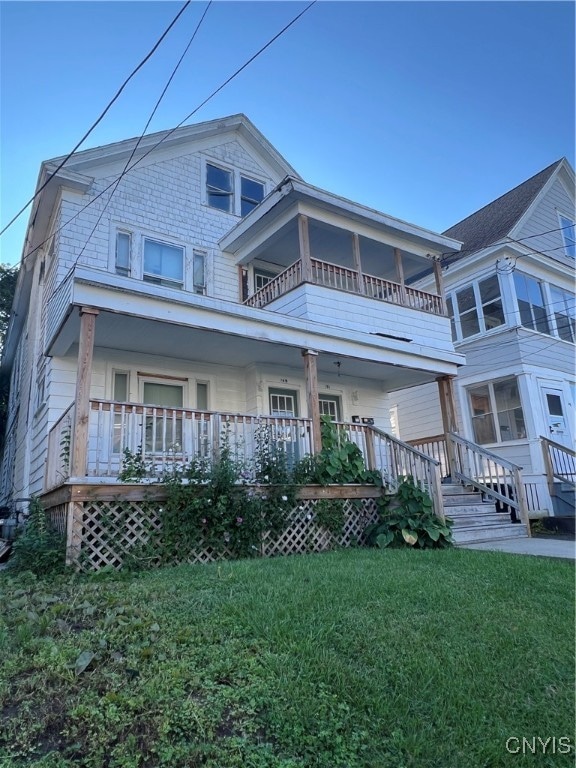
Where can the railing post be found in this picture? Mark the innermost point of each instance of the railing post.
(370, 450)
(521, 498)
(437, 494)
(357, 262)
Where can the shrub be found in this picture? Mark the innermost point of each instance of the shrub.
(407, 519)
(38, 547)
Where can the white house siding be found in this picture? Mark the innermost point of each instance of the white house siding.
(358, 313)
(161, 199)
(544, 218)
(418, 412)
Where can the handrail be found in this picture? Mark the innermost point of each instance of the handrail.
(559, 462)
(495, 477)
(277, 286)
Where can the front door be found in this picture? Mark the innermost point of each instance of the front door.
(558, 428)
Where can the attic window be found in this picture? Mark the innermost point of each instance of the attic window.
(252, 193)
(569, 235)
(219, 188)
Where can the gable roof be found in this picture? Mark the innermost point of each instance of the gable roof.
(497, 219)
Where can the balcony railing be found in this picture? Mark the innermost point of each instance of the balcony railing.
(343, 279)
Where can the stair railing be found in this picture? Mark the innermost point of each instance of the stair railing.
(397, 460)
(560, 463)
(495, 477)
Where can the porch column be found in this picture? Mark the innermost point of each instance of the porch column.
(439, 280)
(82, 399)
(357, 262)
(448, 409)
(311, 376)
(304, 241)
(400, 274)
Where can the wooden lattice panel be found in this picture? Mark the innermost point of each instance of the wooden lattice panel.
(106, 532)
(59, 517)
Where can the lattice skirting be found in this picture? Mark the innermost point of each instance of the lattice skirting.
(109, 533)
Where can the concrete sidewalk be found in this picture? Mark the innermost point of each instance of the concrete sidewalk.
(544, 547)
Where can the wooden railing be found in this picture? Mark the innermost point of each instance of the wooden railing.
(343, 279)
(560, 463)
(163, 436)
(278, 286)
(60, 440)
(396, 460)
(498, 479)
(435, 447)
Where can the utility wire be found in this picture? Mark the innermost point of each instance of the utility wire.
(93, 126)
(171, 131)
(137, 144)
(505, 242)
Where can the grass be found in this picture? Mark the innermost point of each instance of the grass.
(352, 659)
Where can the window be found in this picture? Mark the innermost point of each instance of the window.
(230, 191)
(496, 412)
(564, 312)
(569, 235)
(252, 193)
(476, 308)
(201, 395)
(283, 403)
(122, 255)
(330, 406)
(199, 270)
(262, 278)
(531, 303)
(219, 188)
(163, 264)
(163, 431)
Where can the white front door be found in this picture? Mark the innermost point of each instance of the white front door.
(555, 414)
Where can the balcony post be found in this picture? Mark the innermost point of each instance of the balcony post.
(449, 422)
(311, 376)
(400, 274)
(357, 262)
(439, 281)
(82, 398)
(304, 241)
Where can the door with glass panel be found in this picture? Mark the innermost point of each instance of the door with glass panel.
(285, 436)
(557, 422)
(162, 422)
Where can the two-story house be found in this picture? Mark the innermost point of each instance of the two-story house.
(211, 284)
(510, 296)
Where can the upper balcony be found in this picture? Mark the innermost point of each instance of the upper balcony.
(302, 236)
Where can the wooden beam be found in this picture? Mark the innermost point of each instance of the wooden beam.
(400, 273)
(449, 420)
(79, 453)
(304, 241)
(311, 376)
(439, 280)
(357, 261)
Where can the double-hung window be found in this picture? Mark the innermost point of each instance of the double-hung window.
(199, 272)
(163, 263)
(123, 253)
(531, 303)
(563, 309)
(496, 412)
(568, 235)
(476, 308)
(231, 191)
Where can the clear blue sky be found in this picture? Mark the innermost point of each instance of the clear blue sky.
(424, 110)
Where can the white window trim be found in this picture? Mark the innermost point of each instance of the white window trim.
(475, 285)
(237, 175)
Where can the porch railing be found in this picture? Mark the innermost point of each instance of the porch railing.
(497, 478)
(560, 462)
(396, 460)
(435, 447)
(60, 440)
(341, 278)
(162, 436)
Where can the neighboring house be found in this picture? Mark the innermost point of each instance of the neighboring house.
(214, 286)
(510, 295)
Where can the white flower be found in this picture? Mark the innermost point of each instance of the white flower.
(284, 498)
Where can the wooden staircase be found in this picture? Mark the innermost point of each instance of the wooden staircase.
(476, 520)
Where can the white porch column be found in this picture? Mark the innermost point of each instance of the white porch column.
(304, 241)
(82, 399)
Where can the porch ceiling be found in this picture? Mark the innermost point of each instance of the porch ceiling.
(127, 333)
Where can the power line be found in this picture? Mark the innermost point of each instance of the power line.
(150, 118)
(508, 241)
(172, 130)
(100, 118)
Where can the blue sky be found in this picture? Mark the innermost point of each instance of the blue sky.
(424, 110)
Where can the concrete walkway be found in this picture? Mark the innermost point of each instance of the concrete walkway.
(544, 547)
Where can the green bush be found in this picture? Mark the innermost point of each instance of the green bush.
(38, 547)
(407, 519)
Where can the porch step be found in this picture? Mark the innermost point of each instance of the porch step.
(476, 520)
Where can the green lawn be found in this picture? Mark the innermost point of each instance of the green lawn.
(379, 659)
